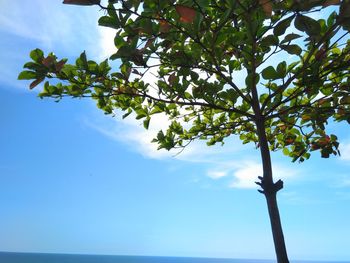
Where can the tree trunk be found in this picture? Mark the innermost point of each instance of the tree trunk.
(270, 189)
(276, 227)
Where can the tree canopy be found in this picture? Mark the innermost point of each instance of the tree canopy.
(198, 47)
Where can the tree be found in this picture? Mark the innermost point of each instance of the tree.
(197, 47)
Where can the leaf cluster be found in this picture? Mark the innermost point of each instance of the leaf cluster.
(197, 48)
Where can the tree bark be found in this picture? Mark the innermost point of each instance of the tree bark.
(276, 226)
(270, 189)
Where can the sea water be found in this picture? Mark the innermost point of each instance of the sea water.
(10, 257)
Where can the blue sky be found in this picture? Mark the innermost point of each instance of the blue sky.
(73, 180)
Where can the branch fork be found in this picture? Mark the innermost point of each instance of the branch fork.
(269, 188)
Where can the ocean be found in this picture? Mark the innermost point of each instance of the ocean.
(11, 257)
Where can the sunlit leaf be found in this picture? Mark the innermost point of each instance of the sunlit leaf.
(27, 75)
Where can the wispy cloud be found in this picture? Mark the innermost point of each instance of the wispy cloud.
(345, 151)
(49, 25)
(246, 175)
(237, 164)
(131, 132)
(106, 42)
(244, 172)
(216, 174)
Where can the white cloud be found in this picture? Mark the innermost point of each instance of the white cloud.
(64, 29)
(345, 151)
(106, 38)
(245, 171)
(246, 175)
(132, 132)
(238, 164)
(49, 23)
(216, 174)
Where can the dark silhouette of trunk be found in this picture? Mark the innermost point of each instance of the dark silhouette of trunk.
(270, 189)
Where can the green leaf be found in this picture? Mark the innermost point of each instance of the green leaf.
(147, 26)
(292, 49)
(33, 65)
(282, 26)
(146, 123)
(37, 55)
(141, 113)
(251, 79)
(270, 40)
(308, 25)
(27, 75)
(286, 151)
(82, 62)
(290, 37)
(203, 3)
(282, 69)
(331, 19)
(123, 52)
(104, 67)
(269, 73)
(127, 114)
(107, 21)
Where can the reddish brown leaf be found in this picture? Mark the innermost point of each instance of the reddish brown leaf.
(60, 65)
(149, 42)
(324, 140)
(81, 2)
(331, 2)
(164, 26)
(172, 79)
(321, 101)
(35, 83)
(341, 111)
(321, 53)
(187, 14)
(48, 61)
(266, 6)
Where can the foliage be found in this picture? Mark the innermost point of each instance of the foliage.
(198, 47)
